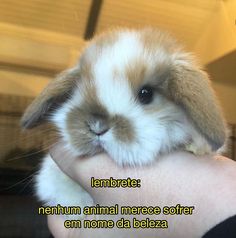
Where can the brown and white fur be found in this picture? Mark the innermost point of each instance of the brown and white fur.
(96, 107)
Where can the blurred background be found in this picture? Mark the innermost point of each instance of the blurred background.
(40, 38)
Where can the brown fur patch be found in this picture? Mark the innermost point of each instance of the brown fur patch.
(135, 73)
(153, 39)
(80, 137)
(78, 120)
(86, 68)
(123, 130)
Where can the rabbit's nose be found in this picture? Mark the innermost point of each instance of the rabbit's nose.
(98, 126)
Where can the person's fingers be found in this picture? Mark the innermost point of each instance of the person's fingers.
(177, 178)
(63, 158)
(56, 225)
(81, 169)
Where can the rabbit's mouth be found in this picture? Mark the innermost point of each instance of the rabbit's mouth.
(98, 145)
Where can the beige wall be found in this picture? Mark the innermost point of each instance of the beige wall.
(227, 96)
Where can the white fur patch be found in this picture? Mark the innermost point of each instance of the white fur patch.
(54, 187)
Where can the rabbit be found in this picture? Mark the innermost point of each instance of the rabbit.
(134, 94)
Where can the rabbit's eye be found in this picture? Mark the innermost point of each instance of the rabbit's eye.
(145, 94)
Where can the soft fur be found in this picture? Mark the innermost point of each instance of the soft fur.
(100, 93)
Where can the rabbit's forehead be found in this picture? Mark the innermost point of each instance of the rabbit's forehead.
(116, 68)
(126, 56)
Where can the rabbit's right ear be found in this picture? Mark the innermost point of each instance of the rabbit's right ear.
(57, 92)
(189, 87)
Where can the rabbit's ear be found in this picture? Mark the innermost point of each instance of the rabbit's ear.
(189, 87)
(57, 92)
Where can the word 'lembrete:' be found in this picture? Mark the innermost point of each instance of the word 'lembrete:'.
(115, 183)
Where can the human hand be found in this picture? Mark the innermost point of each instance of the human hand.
(204, 182)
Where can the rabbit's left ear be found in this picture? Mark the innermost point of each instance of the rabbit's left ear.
(57, 92)
(190, 88)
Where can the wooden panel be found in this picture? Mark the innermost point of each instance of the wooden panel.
(68, 16)
(186, 19)
(24, 83)
(35, 54)
(219, 36)
(39, 49)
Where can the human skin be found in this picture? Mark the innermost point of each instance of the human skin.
(206, 182)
